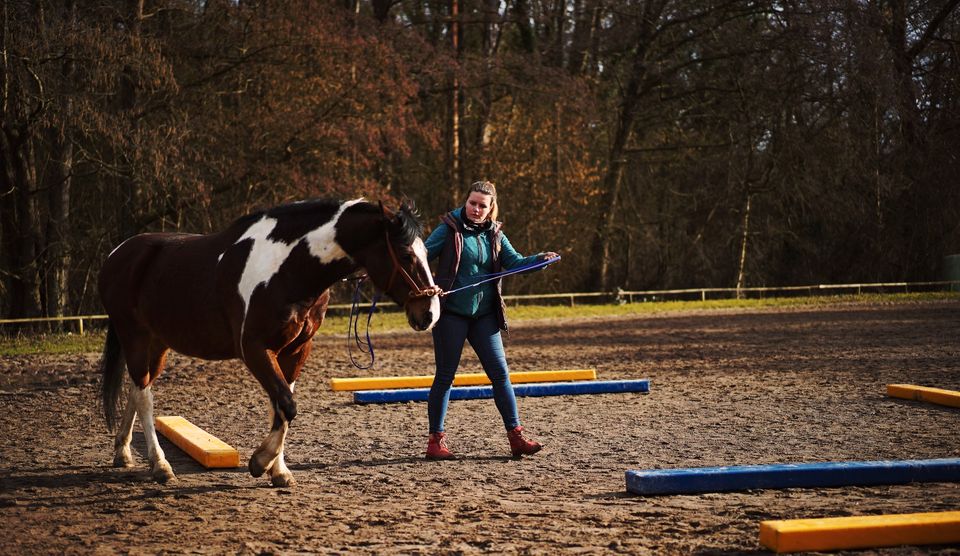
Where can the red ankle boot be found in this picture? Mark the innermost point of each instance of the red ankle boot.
(519, 445)
(437, 447)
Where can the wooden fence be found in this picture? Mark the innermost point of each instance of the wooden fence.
(625, 296)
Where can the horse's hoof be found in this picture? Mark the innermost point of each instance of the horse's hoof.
(122, 460)
(284, 480)
(163, 473)
(257, 466)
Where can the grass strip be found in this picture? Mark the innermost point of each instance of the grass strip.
(392, 320)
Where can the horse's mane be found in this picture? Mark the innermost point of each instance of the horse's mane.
(407, 226)
(297, 207)
(410, 226)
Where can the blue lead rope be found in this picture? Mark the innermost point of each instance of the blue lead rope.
(495, 275)
(366, 346)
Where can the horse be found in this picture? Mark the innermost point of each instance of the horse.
(256, 291)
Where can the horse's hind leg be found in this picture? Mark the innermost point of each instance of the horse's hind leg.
(159, 466)
(140, 402)
(145, 359)
(121, 445)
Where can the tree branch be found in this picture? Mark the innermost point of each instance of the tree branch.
(932, 28)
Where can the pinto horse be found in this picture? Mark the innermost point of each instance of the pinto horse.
(256, 291)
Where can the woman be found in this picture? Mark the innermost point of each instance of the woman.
(471, 245)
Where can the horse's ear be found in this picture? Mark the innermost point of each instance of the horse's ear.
(387, 213)
(406, 204)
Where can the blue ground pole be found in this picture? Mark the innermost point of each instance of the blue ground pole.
(477, 392)
(698, 480)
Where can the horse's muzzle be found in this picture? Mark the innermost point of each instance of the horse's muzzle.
(423, 311)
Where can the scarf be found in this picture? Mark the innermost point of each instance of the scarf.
(471, 227)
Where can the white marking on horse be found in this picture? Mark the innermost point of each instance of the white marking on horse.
(322, 241)
(264, 259)
(267, 256)
(420, 251)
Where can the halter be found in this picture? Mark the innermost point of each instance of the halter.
(416, 291)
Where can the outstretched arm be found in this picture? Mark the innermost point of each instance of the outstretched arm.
(510, 259)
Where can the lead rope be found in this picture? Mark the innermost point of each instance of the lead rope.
(366, 346)
(363, 346)
(496, 275)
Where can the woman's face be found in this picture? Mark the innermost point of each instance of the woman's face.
(478, 206)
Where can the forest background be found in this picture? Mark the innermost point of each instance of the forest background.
(653, 143)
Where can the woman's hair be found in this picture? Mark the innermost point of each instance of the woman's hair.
(487, 188)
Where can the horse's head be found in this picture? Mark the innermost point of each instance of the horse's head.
(400, 268)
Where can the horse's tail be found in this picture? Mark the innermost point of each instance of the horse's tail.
(112, 368)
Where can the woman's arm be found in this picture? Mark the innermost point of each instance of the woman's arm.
(435, 241)
(510, 259)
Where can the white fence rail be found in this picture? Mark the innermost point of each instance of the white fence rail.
(624, 296)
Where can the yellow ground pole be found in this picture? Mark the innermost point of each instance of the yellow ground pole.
(207, 449)
(837, 533)
(467, 379)
(924, 394)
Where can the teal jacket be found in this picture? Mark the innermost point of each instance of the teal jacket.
(480, 253)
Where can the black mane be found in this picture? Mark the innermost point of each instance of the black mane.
(294, 208)
(404, 228)
(410, 227)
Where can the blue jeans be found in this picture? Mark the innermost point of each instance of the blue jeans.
(484, 335)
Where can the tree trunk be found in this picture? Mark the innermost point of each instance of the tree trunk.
(521, 18)
(57, 252)
(20, 228)
(483, 131)
(741, 267)
(613, 179)
(127, 98)
(59, 182)
(920, 200)
(559, 17)
(381, 9)
(586, 21)
(647, 24)
(456, 101)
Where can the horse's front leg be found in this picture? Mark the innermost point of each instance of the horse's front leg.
(280, 475)
(283, 409)
(290, 362)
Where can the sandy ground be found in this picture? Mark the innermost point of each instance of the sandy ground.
(727, 387)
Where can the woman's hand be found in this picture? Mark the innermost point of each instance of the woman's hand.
(550, 255)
